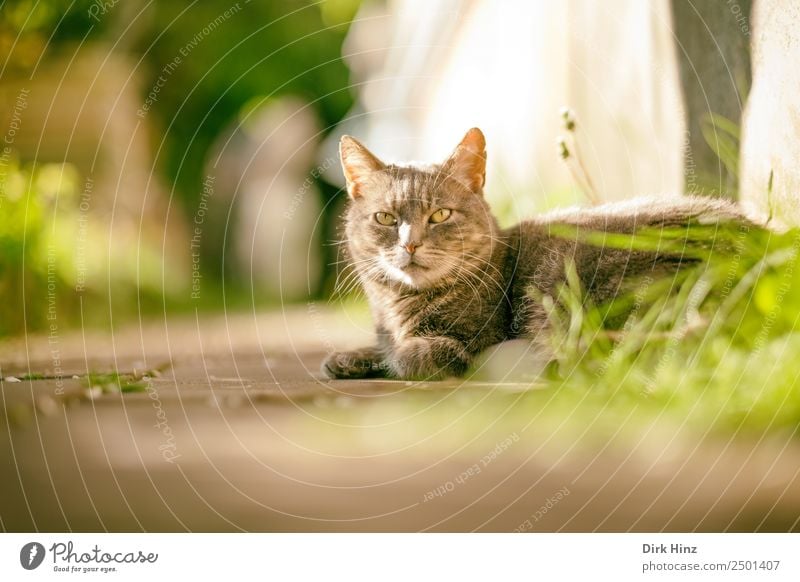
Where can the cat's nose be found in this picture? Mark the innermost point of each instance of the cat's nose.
(410, 248)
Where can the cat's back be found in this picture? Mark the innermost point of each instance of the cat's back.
(545, 244)
(541, 245)
(628, 215)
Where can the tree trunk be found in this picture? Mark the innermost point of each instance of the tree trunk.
(712, 39)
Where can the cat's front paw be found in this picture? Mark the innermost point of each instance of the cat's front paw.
(364, 363)
(429, 359)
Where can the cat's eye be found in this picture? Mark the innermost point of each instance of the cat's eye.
(385, 219)
(439, 216)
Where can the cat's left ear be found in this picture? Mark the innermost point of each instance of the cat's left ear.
(467, 164)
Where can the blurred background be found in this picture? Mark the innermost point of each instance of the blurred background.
(172, 156)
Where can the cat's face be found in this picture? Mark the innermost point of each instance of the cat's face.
(423, 227)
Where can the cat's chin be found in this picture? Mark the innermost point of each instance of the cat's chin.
(412, 275)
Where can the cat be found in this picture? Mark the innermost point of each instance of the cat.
(444, 282)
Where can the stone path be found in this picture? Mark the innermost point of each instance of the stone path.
(226, 425)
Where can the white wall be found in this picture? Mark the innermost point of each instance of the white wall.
(508, 67)
(771, 126)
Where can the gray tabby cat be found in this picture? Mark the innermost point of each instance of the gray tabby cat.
(444, 282)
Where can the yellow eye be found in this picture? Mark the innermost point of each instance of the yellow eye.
(440, 216)
(385, 219)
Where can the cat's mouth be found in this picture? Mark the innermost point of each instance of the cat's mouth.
(407, 263)
(409, 270)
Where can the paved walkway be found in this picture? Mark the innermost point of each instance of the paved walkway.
(226, 425)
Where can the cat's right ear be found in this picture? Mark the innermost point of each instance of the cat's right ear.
(467, 164)
(358, 163)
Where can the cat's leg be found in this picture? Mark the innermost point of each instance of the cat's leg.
(363, 363)
(429, 358)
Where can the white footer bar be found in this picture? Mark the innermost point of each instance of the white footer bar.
(401, 557)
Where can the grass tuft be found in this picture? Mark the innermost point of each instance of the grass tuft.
(712, 348)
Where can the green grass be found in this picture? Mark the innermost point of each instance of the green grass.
(110, 382)
(713, 348)
(33, 376)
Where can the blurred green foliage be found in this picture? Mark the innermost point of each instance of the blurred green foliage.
(33, 29)
(230, 53)
(209, 60)
(52, 261)
(28, 243)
